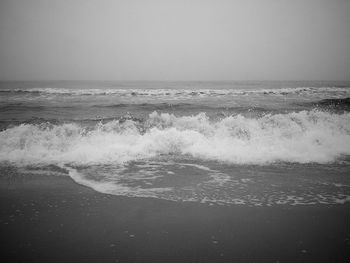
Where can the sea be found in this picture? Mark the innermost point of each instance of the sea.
(250, 143)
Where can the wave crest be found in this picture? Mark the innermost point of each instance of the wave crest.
(307, 136)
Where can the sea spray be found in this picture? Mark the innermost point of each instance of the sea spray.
(301, 137)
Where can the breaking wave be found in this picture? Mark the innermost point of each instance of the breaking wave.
(182, 92)
(302, 137)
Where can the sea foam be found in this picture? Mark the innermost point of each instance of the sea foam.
(182, 92)
(302, 137)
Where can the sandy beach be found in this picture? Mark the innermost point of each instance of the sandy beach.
(52, 219)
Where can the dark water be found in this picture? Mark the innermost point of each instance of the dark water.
(255, 143)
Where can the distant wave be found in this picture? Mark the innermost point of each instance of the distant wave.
(20, 106)
(179, 92)
(184, 106)
(149, 107)
(302, 137)
(335, 103)
(32, 107)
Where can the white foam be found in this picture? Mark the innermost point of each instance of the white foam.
(183, 92)
(308, 136)
(108, 187)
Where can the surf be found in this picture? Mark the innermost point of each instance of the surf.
(301, 137)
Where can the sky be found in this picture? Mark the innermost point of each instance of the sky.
(174, 40)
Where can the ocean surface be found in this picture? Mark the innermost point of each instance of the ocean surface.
(221, 143)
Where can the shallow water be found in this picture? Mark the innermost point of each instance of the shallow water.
(249, 143)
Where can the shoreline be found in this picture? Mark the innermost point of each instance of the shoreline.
(53, 219)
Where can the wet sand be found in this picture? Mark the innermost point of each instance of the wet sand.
(53, 219)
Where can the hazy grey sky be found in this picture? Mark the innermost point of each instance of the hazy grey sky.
(175, 39)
